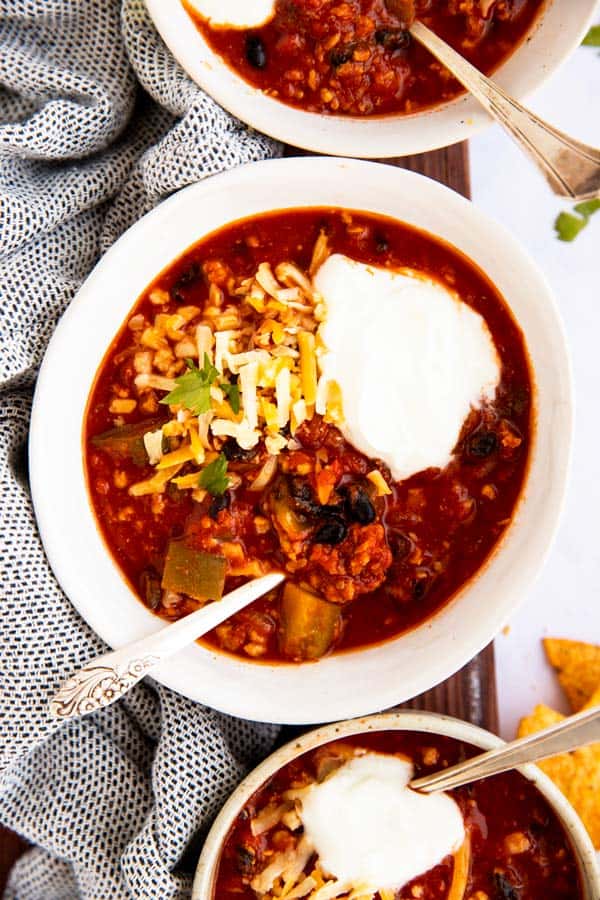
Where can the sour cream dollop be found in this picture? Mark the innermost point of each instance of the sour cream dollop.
(410, 357)
(235, 13)
(371, 830)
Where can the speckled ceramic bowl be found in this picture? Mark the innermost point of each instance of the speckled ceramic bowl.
(404, 721)
(342, 685)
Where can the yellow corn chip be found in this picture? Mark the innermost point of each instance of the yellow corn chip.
(576, 774)
(578, 667)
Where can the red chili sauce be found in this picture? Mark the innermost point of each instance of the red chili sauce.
(357, 58)
(386, 571)
(519, 850)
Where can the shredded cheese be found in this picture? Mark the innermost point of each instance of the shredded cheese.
(248, 383)
(377, 479)
(282, 392)
(183, 455)
(308, 366)
(269, 369)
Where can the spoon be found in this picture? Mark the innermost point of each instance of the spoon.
(106, 678)
(570, 734)
(571, 168)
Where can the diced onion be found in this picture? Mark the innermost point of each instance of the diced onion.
(144, 381)
(265, 475)
(321, 395)
(222, 347)
(153, 442)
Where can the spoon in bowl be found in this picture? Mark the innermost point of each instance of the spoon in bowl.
(571, 168)
(570, 734)
(106, 678)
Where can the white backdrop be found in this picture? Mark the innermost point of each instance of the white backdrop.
(566, 600)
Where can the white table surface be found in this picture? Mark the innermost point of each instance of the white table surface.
(565, 602)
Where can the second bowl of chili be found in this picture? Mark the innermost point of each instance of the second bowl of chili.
(345, 78)
(286, 823)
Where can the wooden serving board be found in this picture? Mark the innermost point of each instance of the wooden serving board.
(471, 693)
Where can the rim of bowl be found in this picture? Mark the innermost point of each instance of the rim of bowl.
(406, 720)
(342, 685)
(547, 46)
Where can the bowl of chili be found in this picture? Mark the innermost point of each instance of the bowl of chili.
(346, 78)
(148, 506)
(521, 836)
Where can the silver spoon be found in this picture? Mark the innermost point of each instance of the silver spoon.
(571, 168)
(570, 734)
(106, 678)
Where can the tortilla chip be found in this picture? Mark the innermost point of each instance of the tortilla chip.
(578, 667)
(576, 774)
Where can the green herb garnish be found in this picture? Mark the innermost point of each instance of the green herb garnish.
(214, 478)
(568, 225)
(232, 392)
(592, 38)
(193, 387)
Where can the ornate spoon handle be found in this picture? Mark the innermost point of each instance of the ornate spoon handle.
(106, 678)
(574, 732)
(571, 168)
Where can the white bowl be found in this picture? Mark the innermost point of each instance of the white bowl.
(403, 721)
(355, 682)
(557, 32)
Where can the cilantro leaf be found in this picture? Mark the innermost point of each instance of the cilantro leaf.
(568, 225)
(232, 392)
(587, 208)
(213, 478)
(592, 38)
(193, 387)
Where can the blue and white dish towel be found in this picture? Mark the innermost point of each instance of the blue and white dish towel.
(97, 124)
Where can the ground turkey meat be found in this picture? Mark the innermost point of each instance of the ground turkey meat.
(356, 566)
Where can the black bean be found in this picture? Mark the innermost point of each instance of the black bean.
(245, 859)
(538, 828)
(340, 55)
(232, 451)
(481, 444)
(332, 532)
(504, 890)
(420, 588)
(256, 53)
(358, 505)
(329, 510)
(221, 501)
(187, 278)
(300, 489)
(381, 243)
(393, 38)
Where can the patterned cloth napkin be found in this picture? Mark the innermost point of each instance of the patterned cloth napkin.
(97, 124)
